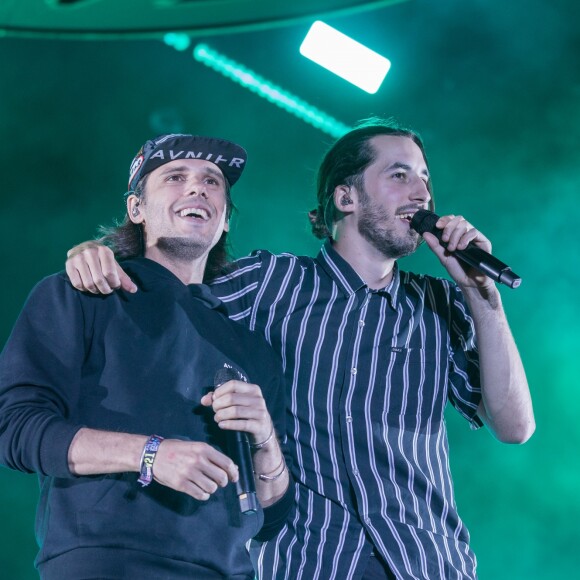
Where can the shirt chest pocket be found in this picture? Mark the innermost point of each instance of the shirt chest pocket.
(414, 387)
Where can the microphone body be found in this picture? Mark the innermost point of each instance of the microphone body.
(238, 446)
(424, 221)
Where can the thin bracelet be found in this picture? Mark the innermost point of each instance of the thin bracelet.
(263, 443)
(265, 477)
(147, 459)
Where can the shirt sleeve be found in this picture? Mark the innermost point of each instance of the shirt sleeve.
(276, 515)
(40, 369)
(464, 379)
(238, 290)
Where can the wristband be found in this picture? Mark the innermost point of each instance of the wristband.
(147, 459)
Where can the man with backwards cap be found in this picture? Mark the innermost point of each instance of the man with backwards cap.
(372, 356)
(114, 401)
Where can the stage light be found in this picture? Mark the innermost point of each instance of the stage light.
(345, 57)
(272, 93)
(177, 40)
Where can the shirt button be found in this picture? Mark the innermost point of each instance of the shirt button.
(355, 472)
(353, 371)
(349, 419)
(361, 323)
(367, 521)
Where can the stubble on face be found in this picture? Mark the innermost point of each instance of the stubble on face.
(183, 249)
(377, 226)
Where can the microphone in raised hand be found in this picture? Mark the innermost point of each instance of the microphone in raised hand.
(424, 221)
(238, 448)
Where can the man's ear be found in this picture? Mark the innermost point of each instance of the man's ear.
(343, 200)
(133, 210)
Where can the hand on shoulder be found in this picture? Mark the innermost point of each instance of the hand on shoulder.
(92, 267)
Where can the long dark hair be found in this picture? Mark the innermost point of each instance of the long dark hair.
(345, 163)
(127, 239)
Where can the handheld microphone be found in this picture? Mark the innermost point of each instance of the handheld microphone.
(239, 451)
(424, 221)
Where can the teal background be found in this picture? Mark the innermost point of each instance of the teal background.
(493, 87)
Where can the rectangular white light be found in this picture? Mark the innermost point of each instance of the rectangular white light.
(345, 57)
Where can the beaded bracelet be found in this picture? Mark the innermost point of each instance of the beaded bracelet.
(263, 443)
(265, 477)
(147, 459)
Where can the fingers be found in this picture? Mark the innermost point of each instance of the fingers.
(238, 400)
(240, 406)
(74, 275)
(194, 468)
(92, 267)
(81, 248)
(126, 283)
(458, 233)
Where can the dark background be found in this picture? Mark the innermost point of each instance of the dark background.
(493, 86)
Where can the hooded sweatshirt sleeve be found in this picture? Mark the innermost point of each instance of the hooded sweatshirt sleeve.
(40, 370)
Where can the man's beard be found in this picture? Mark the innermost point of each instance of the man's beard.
(376, 226)
(183, 249)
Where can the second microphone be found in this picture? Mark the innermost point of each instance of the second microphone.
(239, 451)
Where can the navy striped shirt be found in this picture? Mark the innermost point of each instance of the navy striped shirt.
(368, 374)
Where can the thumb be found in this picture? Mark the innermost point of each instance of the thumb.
(207, 400)
(432, 241)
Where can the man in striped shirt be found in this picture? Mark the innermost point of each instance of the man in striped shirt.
(371, 356)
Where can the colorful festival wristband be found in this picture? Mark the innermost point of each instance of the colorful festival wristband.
(147, 459)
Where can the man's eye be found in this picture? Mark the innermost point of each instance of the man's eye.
(174, 177)
(211, 181)
(399, 175)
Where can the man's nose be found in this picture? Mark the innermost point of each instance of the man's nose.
(197, 189)
(420, 191)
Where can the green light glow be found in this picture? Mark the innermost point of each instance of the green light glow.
(272, 93)
(345, 57)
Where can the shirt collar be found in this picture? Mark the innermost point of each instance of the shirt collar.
(348, 280)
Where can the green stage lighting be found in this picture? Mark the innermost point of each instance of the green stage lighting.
(263, 88)
(345, 57)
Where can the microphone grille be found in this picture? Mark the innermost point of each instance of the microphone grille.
(227, 373)
(424, 221)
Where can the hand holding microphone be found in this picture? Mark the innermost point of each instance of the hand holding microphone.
(241, 411)
(199, 469)
(424, 221)
(238, 448)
